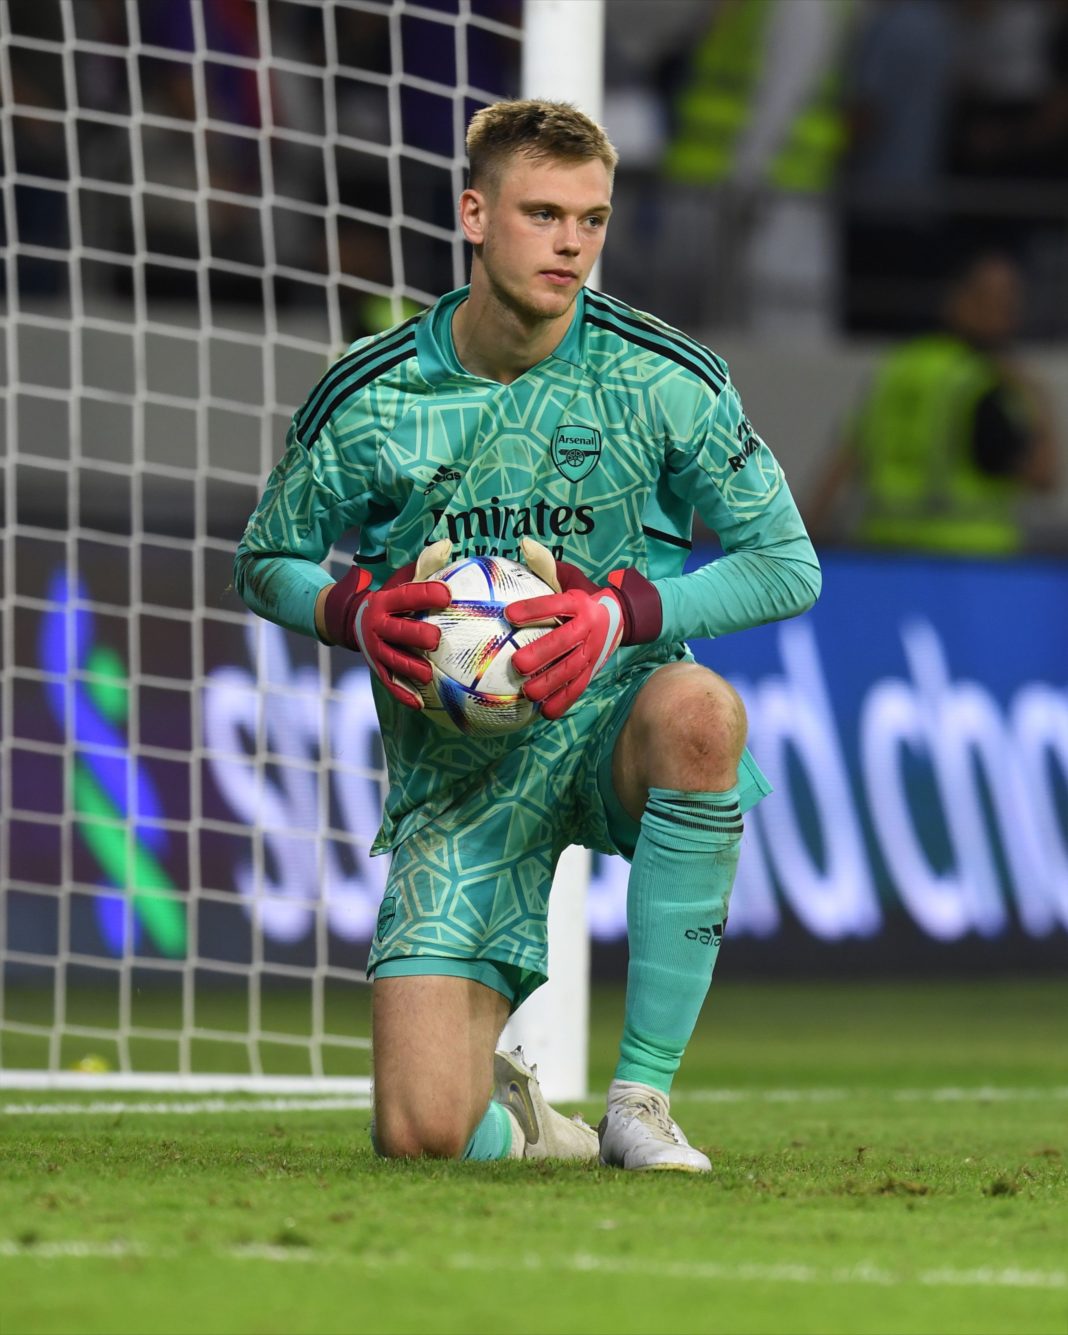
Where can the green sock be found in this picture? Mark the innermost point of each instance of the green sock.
(492, 1138)
(677, 898)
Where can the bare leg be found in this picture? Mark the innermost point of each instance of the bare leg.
(434, 1039)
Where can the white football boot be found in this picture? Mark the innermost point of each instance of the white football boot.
(639, 1133)
(538, 1131)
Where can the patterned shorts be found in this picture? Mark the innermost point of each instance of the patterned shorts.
(467, 893)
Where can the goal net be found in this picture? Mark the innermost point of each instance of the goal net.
(202, 204)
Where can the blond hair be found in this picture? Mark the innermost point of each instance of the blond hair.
(539, 130)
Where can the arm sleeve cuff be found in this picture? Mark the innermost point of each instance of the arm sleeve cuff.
(281, 588)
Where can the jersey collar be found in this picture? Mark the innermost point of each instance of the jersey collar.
(437, 354)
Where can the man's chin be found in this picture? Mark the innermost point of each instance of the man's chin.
(532, 305)
(551, 305)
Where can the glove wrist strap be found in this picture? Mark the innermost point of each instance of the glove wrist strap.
(643, 612)
(339, 610)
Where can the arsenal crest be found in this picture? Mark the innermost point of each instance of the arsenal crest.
(575, 451)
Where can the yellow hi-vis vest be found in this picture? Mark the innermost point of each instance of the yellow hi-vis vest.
(922, 489)
(716, 106)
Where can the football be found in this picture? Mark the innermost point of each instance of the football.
(474, 689)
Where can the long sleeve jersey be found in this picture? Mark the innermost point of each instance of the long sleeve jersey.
(603, 452)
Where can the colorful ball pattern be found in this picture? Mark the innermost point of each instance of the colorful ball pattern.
(475, 689)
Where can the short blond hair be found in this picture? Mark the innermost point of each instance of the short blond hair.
(540, 130)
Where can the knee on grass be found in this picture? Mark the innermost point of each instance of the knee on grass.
(423, 1136)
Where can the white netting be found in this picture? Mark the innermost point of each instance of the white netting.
(202, 203)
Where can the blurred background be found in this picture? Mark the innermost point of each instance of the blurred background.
(861, 204)
(800, 183)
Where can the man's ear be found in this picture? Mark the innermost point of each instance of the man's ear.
(473, 216)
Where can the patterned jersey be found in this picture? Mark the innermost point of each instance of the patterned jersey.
(603, 452)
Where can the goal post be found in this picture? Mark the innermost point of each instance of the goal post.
(197, 217)
(553, 1024)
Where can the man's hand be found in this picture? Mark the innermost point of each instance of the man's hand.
(380, 626)
(595, 622)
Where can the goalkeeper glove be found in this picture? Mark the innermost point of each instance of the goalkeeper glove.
(380, 625)
(595, 622)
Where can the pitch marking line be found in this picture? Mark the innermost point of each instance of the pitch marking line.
(980, 1094)
(361, 1102)
(864, 1272)
(72, 1250)
(188, 1107)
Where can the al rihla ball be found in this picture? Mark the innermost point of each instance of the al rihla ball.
(475, 689)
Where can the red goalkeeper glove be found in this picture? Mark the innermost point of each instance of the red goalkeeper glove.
(595, 622)
(380, 626)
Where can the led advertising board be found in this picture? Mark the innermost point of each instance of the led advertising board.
(914, 725)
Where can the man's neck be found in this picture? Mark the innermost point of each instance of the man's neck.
(494, 342)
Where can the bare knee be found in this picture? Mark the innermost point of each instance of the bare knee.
(421, 1134)
(687, 730)
(703, 721)
(433, 1039)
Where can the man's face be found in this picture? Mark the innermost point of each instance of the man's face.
(987, 306)
(539, 231)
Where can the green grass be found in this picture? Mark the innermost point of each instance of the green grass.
(846, 1196)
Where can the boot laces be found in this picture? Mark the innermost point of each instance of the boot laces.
(654, 1112)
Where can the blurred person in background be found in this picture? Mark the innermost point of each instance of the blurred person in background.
(951, 435)
(645, 59)
(892, 228)
(757, 118)
(1011, 113)
(1008, 152)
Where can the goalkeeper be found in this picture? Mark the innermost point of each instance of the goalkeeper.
(528, 417)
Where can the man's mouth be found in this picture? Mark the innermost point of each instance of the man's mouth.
(561, 277)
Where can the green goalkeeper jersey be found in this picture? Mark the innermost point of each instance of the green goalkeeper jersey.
(603, 452)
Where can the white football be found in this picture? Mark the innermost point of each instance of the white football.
(475, 689)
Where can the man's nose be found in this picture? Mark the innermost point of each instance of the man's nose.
(568, 241)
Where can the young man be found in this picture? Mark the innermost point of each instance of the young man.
(519, 414)
(951, 436)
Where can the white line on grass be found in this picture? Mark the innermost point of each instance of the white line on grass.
(863, 1272)
(979, 1094)
(188, 1107)
(73, 1250)
(361, 1102)
(984, 1094)
(170, 1082)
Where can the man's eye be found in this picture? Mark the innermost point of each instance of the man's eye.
(541, 213)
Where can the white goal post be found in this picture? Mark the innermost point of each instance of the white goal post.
(553, 1024)
(196, 216)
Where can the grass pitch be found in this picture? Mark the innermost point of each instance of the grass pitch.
(887, 1159)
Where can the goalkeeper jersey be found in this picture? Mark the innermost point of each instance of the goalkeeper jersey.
(603, 452)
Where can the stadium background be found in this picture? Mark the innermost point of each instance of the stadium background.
(916, 722)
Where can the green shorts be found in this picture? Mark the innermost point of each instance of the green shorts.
(467, 893)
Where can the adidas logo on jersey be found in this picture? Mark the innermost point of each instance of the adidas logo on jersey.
(442, 474)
